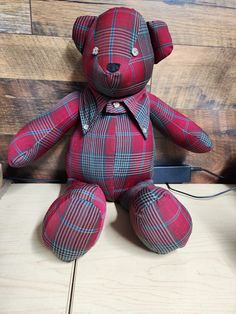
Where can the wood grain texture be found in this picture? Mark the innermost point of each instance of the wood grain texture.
(39, 57)
(221, 160)
(189, 23)
(15, 16)
(26, 99)
(1, 176)
(230, 4)
(190, 77)
(197, 77)
(216, 3)
(36, 71)
(49, 166)
(121, 276)
(220, 125)
(23, 100)
(29, 273)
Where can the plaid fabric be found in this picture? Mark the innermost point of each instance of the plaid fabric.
(115, 33)
(179, 128)
(137, 105)
(80, 30)
(160, 221)
(34, 139)
(112, 149)
(74, 221)
(161, 39)
(111, 146)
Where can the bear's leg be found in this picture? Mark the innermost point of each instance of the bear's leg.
(159, 220)
(74, 221)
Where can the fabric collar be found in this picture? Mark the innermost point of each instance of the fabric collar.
(93, 103)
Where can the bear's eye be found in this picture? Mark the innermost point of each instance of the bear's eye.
(135, 52)
(95, 51)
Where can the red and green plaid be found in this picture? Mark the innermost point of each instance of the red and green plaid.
(111, 150)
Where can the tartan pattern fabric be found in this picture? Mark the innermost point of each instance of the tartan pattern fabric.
(138, 105)
(159, 220)
(80, 30)
(74, 221)
(179, 128)
(115, 33)
(121, 144)
(127, 197)
(161, 39)
(115, 152)
(111, 149)
(35, 138)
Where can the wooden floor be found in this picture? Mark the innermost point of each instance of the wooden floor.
(118, 275)
(39, 64)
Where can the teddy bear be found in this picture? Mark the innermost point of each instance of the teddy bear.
(110, 154)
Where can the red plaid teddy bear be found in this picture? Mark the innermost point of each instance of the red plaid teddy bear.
(111, 151)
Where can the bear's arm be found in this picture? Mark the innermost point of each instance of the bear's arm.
(180, 129)
(39, 135)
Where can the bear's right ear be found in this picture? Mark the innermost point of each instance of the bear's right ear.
(161, 39)
(80, 30)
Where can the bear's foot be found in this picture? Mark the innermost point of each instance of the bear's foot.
(74, 221)
(160, 221)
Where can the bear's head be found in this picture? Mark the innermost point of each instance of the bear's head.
(119, 50)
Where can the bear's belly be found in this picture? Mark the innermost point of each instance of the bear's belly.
(113, 154)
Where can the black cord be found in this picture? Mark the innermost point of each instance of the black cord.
(33, 180)
(207, 171)
(201, 196)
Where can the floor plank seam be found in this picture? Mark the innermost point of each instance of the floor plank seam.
(31, 22)
(90, 2)
(69, 38)
(5, 187)
(72, 289)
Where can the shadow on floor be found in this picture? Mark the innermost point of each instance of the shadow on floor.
(123, 227)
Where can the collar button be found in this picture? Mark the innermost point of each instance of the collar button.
(85, 127)
(135, 52)
(116, 104)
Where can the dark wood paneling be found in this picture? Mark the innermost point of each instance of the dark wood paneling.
(23, 100)
(220, 125)
(37, 70)
(221, 160)
(190, 23)
(39, 58)
(192, 77)
(217, 3)
(15, 16)
(197, 77)
(49, 166)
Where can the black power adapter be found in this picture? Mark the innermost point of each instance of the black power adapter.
(177, 173)
(163, 174)
(172, 174)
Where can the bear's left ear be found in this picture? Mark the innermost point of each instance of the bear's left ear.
(80, 30)
(161, 39)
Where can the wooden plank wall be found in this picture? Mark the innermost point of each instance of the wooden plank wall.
(39, 64)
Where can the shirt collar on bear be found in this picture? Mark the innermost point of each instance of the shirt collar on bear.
(93, 103)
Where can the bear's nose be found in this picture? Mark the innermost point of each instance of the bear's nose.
(113, 67)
